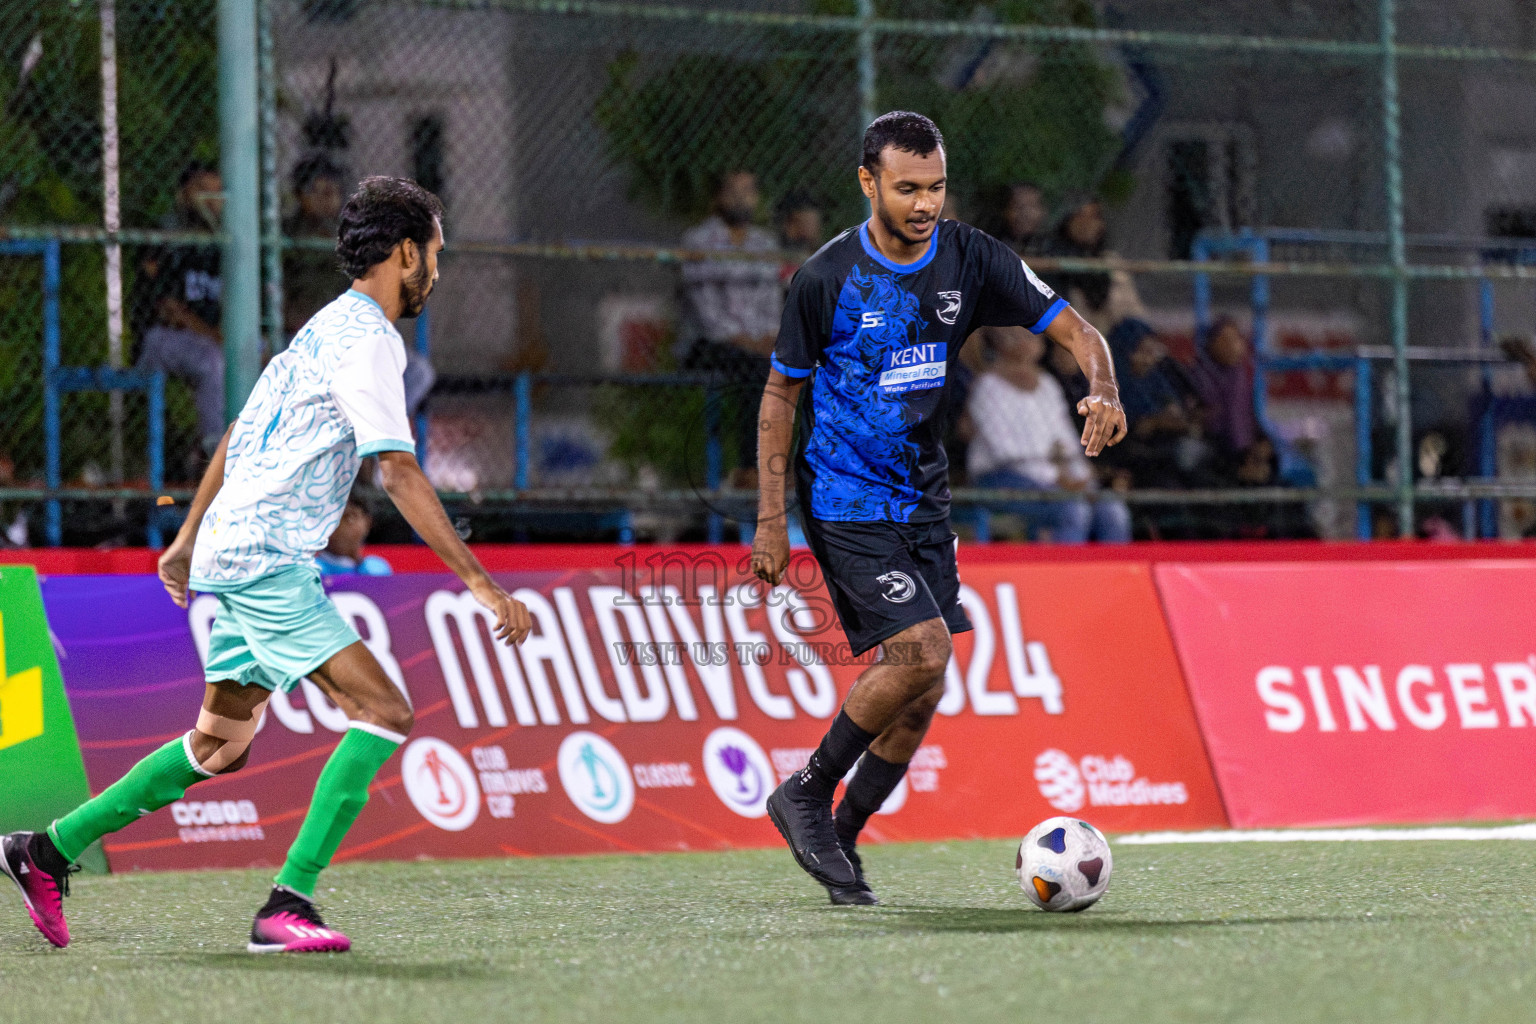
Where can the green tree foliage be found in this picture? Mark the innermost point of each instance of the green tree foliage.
(678, 127)
(51, 173)
(784, 104)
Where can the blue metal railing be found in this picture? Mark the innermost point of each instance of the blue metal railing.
(59, 380)
(1480, 516)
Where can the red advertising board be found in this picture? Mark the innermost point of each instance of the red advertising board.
(653, 708)
(1343, 694)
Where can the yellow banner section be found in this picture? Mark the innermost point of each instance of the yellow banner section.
(21, 699)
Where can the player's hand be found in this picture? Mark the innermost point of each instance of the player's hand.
(1106, 421)
(175, 568)
(513, 623)
(770, 551)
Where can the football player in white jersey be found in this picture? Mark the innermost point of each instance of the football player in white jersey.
(273, 494)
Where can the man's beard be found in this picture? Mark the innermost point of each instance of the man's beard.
(414, 291)
(890, 223)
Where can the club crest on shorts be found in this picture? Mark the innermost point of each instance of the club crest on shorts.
(899, 588)
(949, 309)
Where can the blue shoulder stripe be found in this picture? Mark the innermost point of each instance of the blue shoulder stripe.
(1050, 315)
(788, 371)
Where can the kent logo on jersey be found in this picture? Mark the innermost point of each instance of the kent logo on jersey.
(913, 368)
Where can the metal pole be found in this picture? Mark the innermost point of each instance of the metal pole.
(272, 213)
(866, 64)
(523, 426)
(1363, 389)
(54, 515)
(240, 165)
(1392, 129)
(112, 221)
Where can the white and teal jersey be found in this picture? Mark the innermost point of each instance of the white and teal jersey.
(335, 396)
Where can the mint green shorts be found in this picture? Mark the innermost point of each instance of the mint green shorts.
(274, 631)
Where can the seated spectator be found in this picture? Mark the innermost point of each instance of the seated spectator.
(343, 554)
(1021, 223)
(177, 306)
(1104, 298)
(1024, 439)
(1223, 378)
(731, 308)
(1165, 446)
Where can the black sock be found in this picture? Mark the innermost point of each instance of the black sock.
(839, 751)
(877, 779)
(46, 855)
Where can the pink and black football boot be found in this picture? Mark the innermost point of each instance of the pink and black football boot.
(289, 923)
(42, 874)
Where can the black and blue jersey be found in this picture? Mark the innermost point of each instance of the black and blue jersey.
(881, 339)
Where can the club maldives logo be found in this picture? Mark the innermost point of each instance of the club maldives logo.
(1060, 782)
(738, 771)
(596, 777)
(440, 784)
(1101, 781)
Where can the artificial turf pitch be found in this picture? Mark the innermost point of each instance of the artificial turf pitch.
(1402, 931)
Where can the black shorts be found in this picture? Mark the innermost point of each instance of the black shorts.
(885, 577)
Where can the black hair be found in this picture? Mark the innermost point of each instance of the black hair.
(906, 131)
(192, 170)
(381, 214)
(313, 167)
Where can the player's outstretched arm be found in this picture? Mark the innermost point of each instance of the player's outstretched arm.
(413, 494)
(775, 427)
(1106, 419)
(176, 560)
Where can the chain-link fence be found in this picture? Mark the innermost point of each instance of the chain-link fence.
(1352, 186)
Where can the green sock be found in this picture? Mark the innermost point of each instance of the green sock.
(157, 780)
(340, 794)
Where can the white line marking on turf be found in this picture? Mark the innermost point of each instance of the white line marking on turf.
(1330, 835)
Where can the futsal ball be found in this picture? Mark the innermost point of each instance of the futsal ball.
(1064, 865)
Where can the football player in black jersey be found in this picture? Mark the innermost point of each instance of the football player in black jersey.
(874, 323)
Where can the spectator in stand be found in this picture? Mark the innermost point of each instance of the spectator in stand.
(343, 554)
(178, 303)
(731, 307)
(1105, 298)
(311, 277)
(1165, 447)
(1024, 439)
(1223, 378)
(1022, 220)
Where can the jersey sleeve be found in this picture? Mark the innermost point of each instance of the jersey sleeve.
(804, 327)
(370, 389)
(1014, 296)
